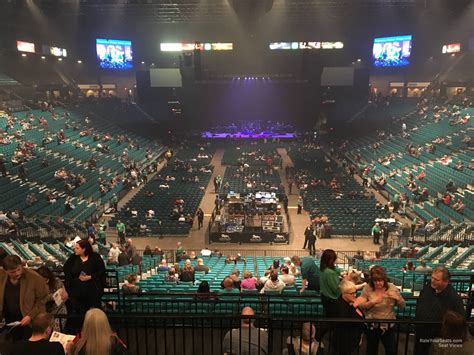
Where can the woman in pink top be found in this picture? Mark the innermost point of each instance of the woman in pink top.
(249, 282)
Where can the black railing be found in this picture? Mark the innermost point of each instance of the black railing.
(231, 334)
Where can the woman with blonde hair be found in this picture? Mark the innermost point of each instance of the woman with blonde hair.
(93, 339)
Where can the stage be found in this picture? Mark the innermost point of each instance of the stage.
(247, 134)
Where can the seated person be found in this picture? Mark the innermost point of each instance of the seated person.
(131, 285)
(450, 187)
(459, 206)
(459, 166)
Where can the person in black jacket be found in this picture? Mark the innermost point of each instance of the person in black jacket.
(308, 231)
(434, 301)
(345, 337)
(84, 274)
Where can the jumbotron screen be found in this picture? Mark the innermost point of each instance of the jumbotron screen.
(392, 51)
(25, 46)
(114, 54)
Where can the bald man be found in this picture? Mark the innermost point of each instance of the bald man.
(248, 340)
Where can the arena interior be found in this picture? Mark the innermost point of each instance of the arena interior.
(236, 177)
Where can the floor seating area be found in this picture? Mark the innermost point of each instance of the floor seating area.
(314, 173)
(254, 154)
(161, 195)
(247, 180)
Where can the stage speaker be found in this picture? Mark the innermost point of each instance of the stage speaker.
(197, 64)
(188, 59)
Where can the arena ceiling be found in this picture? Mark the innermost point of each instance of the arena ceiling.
(189, 11)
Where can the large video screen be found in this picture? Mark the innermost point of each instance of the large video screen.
(392, 51)
(25, 46)
(114, 54)
(451, 48)
(55, 51)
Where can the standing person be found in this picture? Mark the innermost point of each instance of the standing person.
(434, 301)
(330, 280)
(396, 202)
(23, 295)
(200, 217)
(38, 343)
(290, 186)
(114, 253)
(179, 251)
(385, 234)
(131, 249)
(300, 204)
(378, 300)
(217, 203)
(120, 226)
(114, 202)
(84, 279)
(376, 233)
(215, 184)
(307, 232)
(345, 338)
(219, 182)
(310, 273)
(96, 337)
(312, 242)
(414, 221)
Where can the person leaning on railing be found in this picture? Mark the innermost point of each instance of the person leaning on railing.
(378, 300)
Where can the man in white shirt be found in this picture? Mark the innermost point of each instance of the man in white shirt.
(114, 253)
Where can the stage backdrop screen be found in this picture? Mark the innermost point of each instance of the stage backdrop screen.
(165, 78)
(25, 46)
(392, 51)
(114, 54)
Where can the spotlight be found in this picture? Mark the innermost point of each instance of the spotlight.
(60, 59)
(359, 60)
(23, 54)
(79, 62)
(43, 57)
(143, 62)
